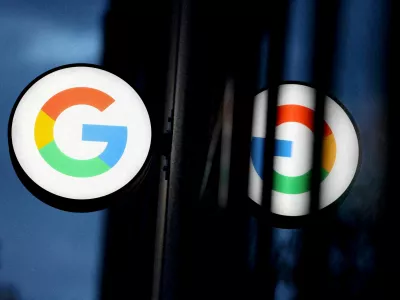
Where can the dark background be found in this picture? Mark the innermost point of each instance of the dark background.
(49, 254)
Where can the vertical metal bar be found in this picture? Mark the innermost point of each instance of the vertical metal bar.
(315, 244)
(198, 84)
(171, 269)
(164, 184)
(265, 279)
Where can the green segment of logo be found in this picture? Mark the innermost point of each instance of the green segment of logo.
(70, 166)
(294, 185)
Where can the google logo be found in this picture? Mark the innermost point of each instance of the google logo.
(293, 151)
(115, 136)
(79, 136)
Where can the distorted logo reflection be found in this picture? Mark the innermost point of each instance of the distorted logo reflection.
(293, 151)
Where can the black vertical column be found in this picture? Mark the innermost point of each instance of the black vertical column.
(197, 85)
(277, 15)
(246, 25)
(136, 43)
(314, 266)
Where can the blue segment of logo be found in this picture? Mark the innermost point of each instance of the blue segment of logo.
(115, 136)
(283, 148)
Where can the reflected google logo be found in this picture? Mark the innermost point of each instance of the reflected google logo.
(293, 151)
(283, 148)
(77, 136)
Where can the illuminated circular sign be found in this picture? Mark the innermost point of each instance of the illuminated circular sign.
(78, 135)
(293, 151)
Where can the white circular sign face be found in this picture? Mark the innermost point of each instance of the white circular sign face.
(293, 151)
(80, 132)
